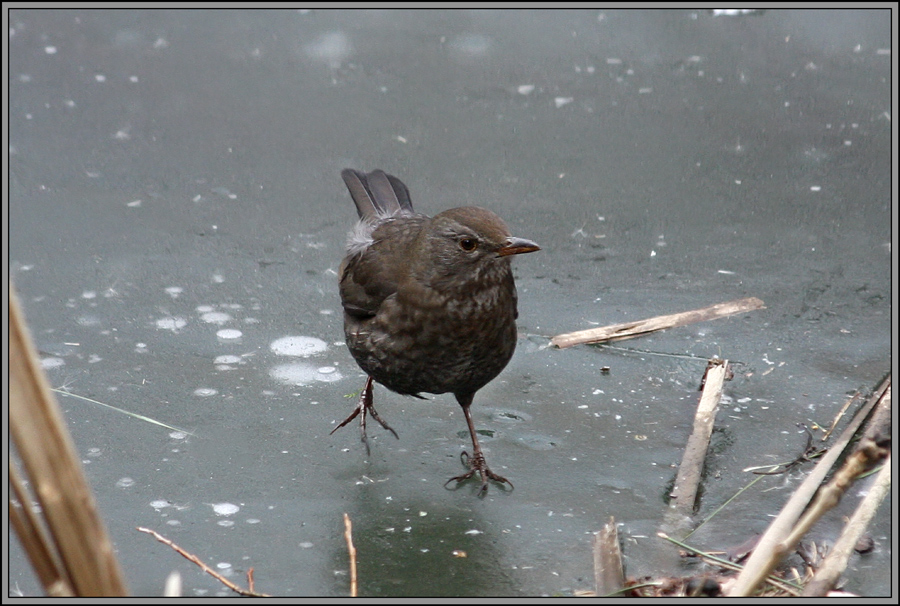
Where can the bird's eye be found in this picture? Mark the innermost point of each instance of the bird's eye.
(468, 244)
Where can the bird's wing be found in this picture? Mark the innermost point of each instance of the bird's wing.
(377, 271)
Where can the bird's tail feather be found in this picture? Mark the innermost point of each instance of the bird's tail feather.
(377, 194)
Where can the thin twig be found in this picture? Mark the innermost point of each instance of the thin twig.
(348, 534)
(724, 505)
(840, 414)
(809, 453)
(203, 566)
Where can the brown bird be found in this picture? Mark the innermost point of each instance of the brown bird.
(429, 303)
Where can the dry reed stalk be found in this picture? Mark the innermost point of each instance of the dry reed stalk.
(835, 563)
(687, 484)
(33, 537)
(76, 534)
(766, 556)
(609, 571)
(627, 330)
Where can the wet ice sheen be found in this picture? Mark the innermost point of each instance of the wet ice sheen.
(173, 324)
(299, 373)
(298, 346)
(215, 317)
(229, 359)
(332, 48)
(225, 509)
(51, 362)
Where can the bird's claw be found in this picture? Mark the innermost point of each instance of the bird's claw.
(478, 463)
(363, 407)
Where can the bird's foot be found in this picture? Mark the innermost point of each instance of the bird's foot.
(477, 463)
(364, 406)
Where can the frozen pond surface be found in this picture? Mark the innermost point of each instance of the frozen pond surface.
(177, 220)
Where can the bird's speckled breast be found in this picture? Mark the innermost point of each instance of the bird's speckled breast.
(413, 348)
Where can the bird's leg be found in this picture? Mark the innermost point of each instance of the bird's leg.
(362, 407)
(476, 462)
